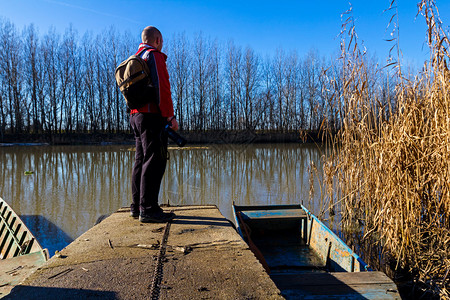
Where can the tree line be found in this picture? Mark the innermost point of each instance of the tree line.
(64, 83)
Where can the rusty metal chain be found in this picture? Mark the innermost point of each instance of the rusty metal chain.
(155, 287)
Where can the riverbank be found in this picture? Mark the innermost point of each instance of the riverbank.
(193, 137)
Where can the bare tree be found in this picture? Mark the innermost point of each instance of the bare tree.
(109, 59)
(77, 88)
(67, 65)
(311, 82)
(233, 70)
(11, 67)
(279, 66)
(179, 68)
(290, 90)
(127, 45)
(267, 108)
(33, 74)
(52, 83)
(87, 75)
(201, 70)
(251, 81)
(101, 107)
(214, 105)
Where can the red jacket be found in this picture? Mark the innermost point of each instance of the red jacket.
(156, 61)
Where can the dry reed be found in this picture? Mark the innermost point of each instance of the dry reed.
(390, 167)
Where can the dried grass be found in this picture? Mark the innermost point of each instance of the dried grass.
(390, 168)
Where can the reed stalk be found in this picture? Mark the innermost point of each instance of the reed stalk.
(389, 170)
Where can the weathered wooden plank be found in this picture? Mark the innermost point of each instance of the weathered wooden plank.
(348, 293)
(13, 240)
(19, 248)
(31, 246)
(8, 249)
(3, 208)
(335, 278)
(4, 240)
(373, 277)
(6, 214)
(355, 285)
(16, 269)
(3, 232)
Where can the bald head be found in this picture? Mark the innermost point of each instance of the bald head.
(150, 34)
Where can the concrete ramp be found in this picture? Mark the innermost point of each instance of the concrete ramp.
(199, 255)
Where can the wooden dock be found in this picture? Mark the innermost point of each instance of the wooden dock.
(199, 255)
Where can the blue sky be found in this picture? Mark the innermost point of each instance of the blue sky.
(263, 25)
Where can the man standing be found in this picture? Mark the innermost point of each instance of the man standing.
(148, 124)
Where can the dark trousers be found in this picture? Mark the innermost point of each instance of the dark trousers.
(150, 163)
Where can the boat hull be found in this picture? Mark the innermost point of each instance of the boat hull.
(20, 253)
(15, 238)
(291, 237)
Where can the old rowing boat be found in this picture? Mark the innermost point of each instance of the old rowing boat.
(20, 252)
(305, 258)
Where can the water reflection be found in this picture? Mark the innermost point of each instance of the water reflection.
(71, 186)
(48, 234)
(256, 174)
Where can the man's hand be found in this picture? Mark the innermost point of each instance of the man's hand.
(173, 123)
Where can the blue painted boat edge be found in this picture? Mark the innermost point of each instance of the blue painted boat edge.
(266, 207)
(236, 221)
(356, 256)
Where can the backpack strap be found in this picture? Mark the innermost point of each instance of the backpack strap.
(143, 51)
(146, 61)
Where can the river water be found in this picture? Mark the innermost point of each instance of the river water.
(72, 186)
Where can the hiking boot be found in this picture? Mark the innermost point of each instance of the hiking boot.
(134, 214)
(157, 217)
